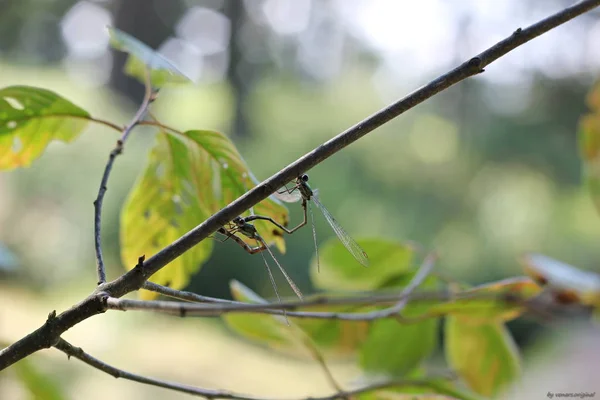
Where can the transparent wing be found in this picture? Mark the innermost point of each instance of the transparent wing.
(272, 279)
(285, 275)
(288, 197)
(314, 232)
(359, 254)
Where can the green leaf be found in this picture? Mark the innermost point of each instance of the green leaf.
(490, 309)
(32, 117)
(483, 354)
(346, 338)
(569, 283)
(40, 386)
(340, 339)
(162, 71)
(339, 270)
(394, 349)
(188, 177)
(269, 330)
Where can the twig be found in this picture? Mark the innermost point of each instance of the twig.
(78, 353)
(183, 295)
(135, 278)
(105, 123)
(139, 115)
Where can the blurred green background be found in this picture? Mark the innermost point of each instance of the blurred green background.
(481, 173)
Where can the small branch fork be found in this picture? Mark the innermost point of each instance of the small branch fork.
(107, 295)
(149, 97)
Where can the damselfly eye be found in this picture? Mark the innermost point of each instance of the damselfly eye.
(237, 220)
(304, 178)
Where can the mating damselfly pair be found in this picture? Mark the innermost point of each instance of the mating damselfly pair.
(300, 191)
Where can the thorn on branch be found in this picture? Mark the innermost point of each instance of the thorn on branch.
(51, 316)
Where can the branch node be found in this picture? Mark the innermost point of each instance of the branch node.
(517, 32)
(475, 62)
(102, 301)
(51, 316)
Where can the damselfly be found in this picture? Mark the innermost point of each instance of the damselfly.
(301, 191)
(243, 226)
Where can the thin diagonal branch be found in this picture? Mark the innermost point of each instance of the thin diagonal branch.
(48, 334)
(472, 67)
(78, 353)
(139, 115)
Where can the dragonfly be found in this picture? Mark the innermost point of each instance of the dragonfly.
(302, 191)
(243, 226)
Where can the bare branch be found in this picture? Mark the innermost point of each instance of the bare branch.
(49, 333)
(214, 310)
(149, 97)
(78, 353)
(183, 295)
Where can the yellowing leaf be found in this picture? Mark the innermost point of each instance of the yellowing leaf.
(188, 177)
(162, 71)
(226, 172)
(32, 117)
(164, 205)
(483, 354)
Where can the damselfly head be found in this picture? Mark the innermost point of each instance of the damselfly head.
(304, 178)
(238, 221)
